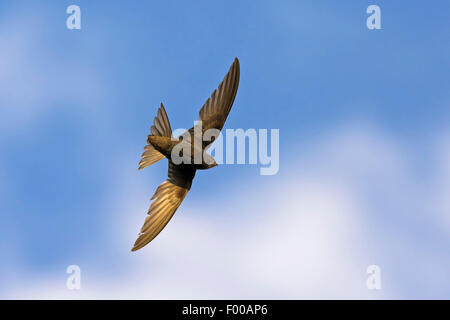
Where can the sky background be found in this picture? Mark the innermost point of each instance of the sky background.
(364, 172)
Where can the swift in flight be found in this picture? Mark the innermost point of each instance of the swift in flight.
(160, 144)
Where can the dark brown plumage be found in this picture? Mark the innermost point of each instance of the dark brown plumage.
(170, 193)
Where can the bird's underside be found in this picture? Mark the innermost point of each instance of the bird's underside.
(169, 195)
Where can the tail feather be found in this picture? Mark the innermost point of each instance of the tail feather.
(149, 157)
(161, 127)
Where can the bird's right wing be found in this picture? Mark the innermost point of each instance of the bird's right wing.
(167, 199)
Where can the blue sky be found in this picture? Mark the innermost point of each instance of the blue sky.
(363, 119)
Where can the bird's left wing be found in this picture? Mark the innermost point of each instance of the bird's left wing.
(216, 109)
(167, 199)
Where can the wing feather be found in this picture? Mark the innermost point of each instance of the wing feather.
(167, 198)
(161, 211)
(215, 111)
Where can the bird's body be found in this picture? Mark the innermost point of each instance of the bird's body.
(165, 146)
(161, 144)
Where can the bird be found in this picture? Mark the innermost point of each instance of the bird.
(160, 144)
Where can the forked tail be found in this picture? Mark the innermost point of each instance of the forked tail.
(161, 127)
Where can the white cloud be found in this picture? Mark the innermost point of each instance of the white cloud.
(36, 77)
(441, 198)
(307, 250)
(311, 235)
(302, 241)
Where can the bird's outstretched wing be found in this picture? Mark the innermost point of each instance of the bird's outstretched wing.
(167, 199)
(216, 109)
